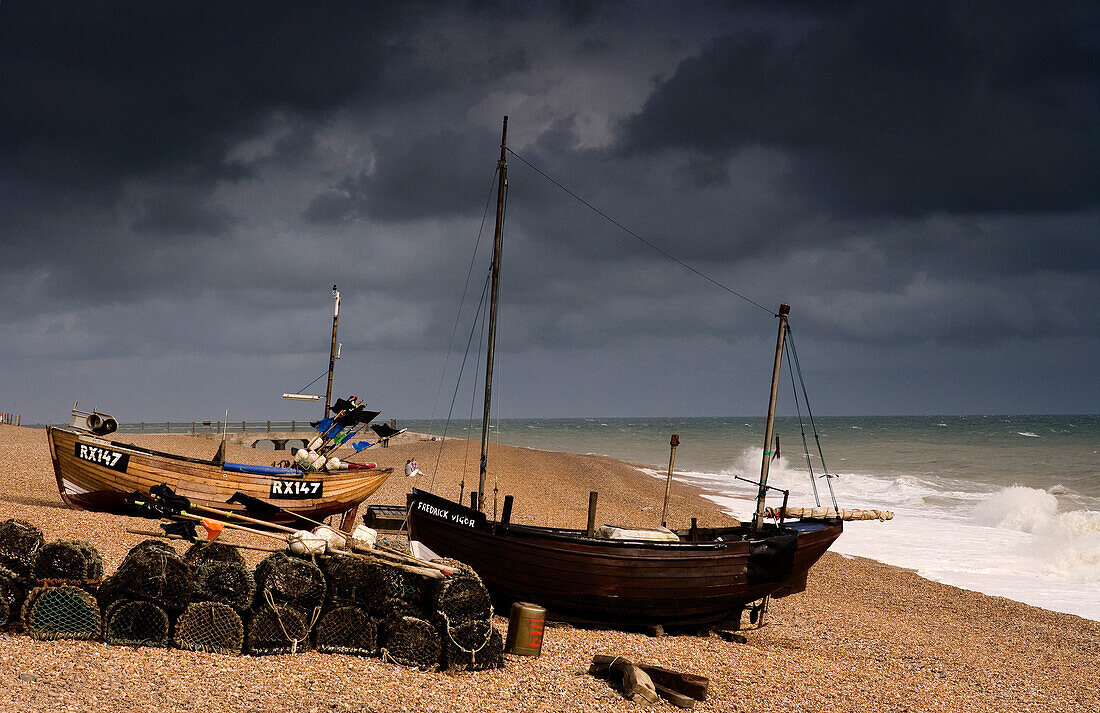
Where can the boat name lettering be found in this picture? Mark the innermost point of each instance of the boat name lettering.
(457, 518)
(296, 489)
(102, 456)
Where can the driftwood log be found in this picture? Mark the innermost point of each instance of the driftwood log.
(679, 689)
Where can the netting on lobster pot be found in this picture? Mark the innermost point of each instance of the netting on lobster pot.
(462, 598)
(204, 552)
(279, 629)
(472, 646)
(396, 607)
(61, 612)
(19, 545)
(346, 630)
(282, 579)
(354, 580)
(12, 593)
(226, 582)
(68, 561)
(150, 572)
(213, 627)
(129, 622)
(410, 641)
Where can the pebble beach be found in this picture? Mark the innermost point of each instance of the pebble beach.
(864, 636)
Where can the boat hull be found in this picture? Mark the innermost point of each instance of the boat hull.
(109, 471)
(624, 583)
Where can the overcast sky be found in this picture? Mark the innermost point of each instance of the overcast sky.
(181, 183)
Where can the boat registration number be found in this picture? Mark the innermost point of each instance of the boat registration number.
(103, 456)
(296, 489)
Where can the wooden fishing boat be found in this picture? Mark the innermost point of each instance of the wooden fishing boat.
(94, 473)
(699, 577)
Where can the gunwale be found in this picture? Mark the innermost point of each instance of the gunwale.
(90, 486)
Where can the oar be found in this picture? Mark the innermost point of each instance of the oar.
(262, 507)
(150, 533)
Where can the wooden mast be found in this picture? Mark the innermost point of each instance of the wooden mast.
(758, 520)
(498, 236)
(332, 349)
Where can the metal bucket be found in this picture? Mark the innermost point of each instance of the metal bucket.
(525, 624)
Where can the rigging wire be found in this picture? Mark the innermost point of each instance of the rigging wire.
(798, 367)
(473, 389)
(801, 425)
(462, 302)
(323, 373)
(461, 368)
(630, 232)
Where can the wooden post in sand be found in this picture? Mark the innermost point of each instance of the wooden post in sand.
(675, 441)
(591, 529)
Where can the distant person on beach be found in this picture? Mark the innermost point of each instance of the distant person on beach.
(411, 468)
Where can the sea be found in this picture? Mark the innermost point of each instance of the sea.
(1004, 505)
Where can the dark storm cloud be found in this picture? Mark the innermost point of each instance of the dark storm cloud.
(94, 92)
(901, 107)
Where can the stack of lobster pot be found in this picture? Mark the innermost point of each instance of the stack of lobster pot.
(63, 604)
(145, 595)
(19, 545)
(349, 622)
(290, 594)
(463, 614)
(223, 589)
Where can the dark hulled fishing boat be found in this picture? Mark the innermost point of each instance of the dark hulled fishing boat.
(697, 577)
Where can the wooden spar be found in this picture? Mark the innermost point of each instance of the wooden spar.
(332, 349)
(673, 442)
(758, 519)
(498, 237)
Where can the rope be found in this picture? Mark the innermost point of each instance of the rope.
(630, 232)
(817, 438)
(293, 642)
(798, 408)
(462, 302)
(472, 652)
(386, 656)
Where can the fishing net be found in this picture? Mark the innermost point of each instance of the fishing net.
(203, 552)
(279, 629)
(154, 572)
(346, 630)
(12, 592)
(213, 627)
(396, 607)
(472, 646)
(289, 580)
(397, 544)
(68, 561)
(462, 598)
(128, 622)
(61, 612)
(19, 545)
(226, 582)
(354, 580)
(410, 641)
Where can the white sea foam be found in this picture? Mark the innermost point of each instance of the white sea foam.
(1016, 542)
(1029, 434)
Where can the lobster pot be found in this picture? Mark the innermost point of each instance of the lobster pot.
(346, 630)
(129, 622)
(19, 545)
(226, 582)
(213, 627)
(395, 608)
(205, 552)
(410, 588)
(410, 641)
(472, 646)
(12, 593)
(282, 579)
(152, 572)
(461, 599)
(354, 580)
(68, 561)
(61, 612)
(280, 629)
